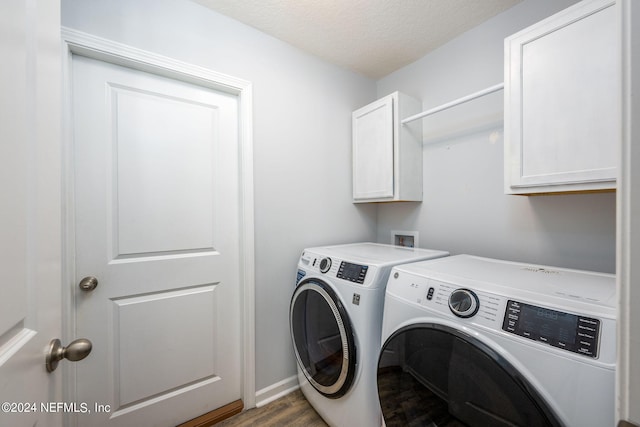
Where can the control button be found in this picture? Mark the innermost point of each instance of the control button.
(325, 265)
(430, 293)
(586, 351)
(463, 303)
(581, 335)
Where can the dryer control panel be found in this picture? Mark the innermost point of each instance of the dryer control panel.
(571, 332)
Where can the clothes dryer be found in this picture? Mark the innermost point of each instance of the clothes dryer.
(335, 322)
(482, 342)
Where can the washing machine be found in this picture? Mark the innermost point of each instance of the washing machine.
(335, 322)
(482, 342)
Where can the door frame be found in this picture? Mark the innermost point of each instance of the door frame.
(627, 224)
(79, 43)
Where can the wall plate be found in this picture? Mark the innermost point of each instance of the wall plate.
(405, 238)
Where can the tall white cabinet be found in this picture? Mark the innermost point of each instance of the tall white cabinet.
(562, 83)
(387, 155)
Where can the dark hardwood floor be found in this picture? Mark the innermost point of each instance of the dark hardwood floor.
(290, 410)
(405, 404)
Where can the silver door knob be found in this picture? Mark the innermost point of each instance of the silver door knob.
(88, 284)
(76, 350)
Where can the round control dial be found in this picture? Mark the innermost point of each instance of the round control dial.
(325, 265)
(463, 303)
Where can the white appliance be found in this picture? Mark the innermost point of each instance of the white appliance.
(335, 321)
(490, 342)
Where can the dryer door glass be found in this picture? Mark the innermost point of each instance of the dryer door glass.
(322, 338)
(430, 374)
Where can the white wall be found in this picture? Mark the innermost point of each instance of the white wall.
(302, 141)
(464, 208)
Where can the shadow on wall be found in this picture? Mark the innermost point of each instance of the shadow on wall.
(465, 210)
(465, 120)
(562, 220)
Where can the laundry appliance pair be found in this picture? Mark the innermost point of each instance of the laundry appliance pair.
(402, 336)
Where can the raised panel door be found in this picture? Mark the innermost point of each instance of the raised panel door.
(157, 223)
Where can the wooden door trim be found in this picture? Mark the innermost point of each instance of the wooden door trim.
(79, 43)
(215, 416)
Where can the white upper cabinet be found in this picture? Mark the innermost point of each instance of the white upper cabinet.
(387, 155)
(562, 114)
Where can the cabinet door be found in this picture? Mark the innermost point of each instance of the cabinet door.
(373, 150)
(562, 102)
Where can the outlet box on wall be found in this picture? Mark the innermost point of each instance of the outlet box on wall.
(408, 239)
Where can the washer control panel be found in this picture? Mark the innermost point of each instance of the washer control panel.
(582, 335)
(352, 272)
(480, 307)
(578, 334)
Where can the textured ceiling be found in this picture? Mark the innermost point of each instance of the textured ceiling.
(372, 37)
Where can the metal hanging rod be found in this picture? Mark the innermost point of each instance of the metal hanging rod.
(458, 101)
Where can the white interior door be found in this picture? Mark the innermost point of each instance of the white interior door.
(30, 223)
(157, 223)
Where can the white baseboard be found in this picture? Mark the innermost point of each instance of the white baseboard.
(276, 391)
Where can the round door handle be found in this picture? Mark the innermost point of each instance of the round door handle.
(88, 284)
(76, 350)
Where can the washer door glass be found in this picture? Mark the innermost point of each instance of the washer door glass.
(430, 374)
(322, 338)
